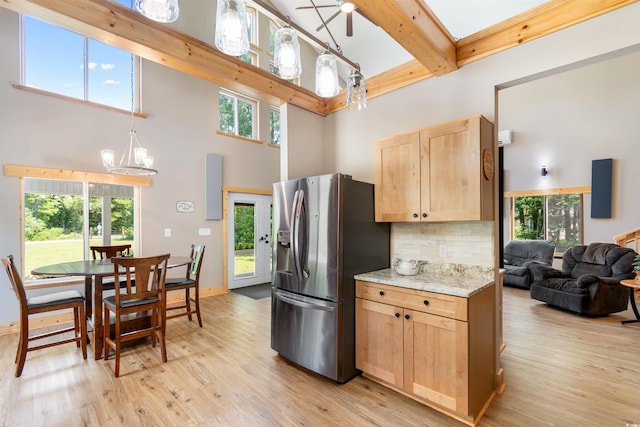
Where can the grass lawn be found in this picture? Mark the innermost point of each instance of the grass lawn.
(38, 254)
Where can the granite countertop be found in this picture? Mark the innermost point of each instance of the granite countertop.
(447, 279)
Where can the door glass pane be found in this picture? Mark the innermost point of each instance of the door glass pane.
(53, 223)
(244, 241)
(528, 219)
(563, 220)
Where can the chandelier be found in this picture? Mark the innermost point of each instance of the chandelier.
(135, 160)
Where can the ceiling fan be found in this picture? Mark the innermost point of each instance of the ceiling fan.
(345, 7)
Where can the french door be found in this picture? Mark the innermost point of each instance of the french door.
(249, 242)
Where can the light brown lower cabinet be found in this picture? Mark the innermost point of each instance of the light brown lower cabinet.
(437, 349)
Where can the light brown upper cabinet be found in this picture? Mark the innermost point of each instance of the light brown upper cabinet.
(440, 173)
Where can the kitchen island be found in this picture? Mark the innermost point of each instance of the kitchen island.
(430, 336)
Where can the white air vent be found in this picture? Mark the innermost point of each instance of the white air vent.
(504, 137)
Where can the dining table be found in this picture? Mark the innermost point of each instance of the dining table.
(94, 272)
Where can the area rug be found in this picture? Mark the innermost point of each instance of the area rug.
(256, 291)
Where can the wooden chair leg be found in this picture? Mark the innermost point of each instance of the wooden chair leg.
(197, 302)
(107, 327)
(187, 303)
(82, 323)
(22, 349)
(117, 342)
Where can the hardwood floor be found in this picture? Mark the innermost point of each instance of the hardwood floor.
(560, 370)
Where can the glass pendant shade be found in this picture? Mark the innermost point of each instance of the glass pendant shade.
(158, 10)
(232, 35)
(327, 84)
(356, 91)
(286, 57)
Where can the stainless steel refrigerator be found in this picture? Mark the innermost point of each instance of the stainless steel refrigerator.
(324, 234)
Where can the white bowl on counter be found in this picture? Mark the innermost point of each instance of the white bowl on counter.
(407, 267)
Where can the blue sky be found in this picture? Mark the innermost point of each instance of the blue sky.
(54, 61)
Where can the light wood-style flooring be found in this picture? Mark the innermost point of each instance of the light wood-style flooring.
(560, 370)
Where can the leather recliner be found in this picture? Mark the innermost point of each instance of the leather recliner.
(518, 254)
(589, 282)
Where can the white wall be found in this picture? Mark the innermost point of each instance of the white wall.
(567, 120)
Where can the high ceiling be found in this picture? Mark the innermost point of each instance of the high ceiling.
(373, 49)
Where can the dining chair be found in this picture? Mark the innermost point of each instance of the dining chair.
(65, 300)
(106, 252)
(187, 283)
(136, 298)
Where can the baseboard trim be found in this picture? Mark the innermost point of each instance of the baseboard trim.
(62, 318)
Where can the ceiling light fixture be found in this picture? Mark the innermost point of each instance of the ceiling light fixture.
(286, 56)
(231, 34)
(327, 83)
(138, 162)
(356, 91)
(347, 6)
(158, 10)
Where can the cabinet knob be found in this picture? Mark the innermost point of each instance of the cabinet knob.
(381, 293)
(406, 316)
(424, 214)
(426, 302)
(397, 314)
(415, 215)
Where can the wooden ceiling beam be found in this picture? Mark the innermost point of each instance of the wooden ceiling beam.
(549, 17)
(119, 26)
(417, 29)
(545, 19)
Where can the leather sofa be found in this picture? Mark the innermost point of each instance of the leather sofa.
(589, 282)
(519, 254)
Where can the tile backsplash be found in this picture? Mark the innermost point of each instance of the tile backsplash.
(469, 243)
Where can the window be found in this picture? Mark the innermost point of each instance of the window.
(274, 125)
(273, 27)
(250, 58)
(237, 114)
(63, 218)
(251, 25)
(69, 64)
(555, 216)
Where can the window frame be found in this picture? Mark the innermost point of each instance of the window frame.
(86, 59)
(274, 109)
(511, 195)
(86, 178)
(254, 118)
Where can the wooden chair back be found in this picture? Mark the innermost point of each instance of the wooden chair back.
(140, 277)
(106, 252)
(197, 253)
(16, 283)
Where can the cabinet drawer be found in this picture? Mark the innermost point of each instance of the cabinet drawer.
(424, 301)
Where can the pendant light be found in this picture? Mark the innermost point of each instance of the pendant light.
(356, 91)
(327, 84)
(138, 162)
(286, 56)
(164, 11)
(232, 35)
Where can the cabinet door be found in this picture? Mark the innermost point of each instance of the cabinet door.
(397, 179)
(435, 359)
(451, 171)
(379, 334)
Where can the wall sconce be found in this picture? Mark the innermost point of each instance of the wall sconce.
(543, 171)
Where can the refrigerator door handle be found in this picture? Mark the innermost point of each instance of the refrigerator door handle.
(303, 304)
(297, 223)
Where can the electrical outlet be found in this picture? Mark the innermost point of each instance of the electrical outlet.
(443, 251)
(167, 232)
